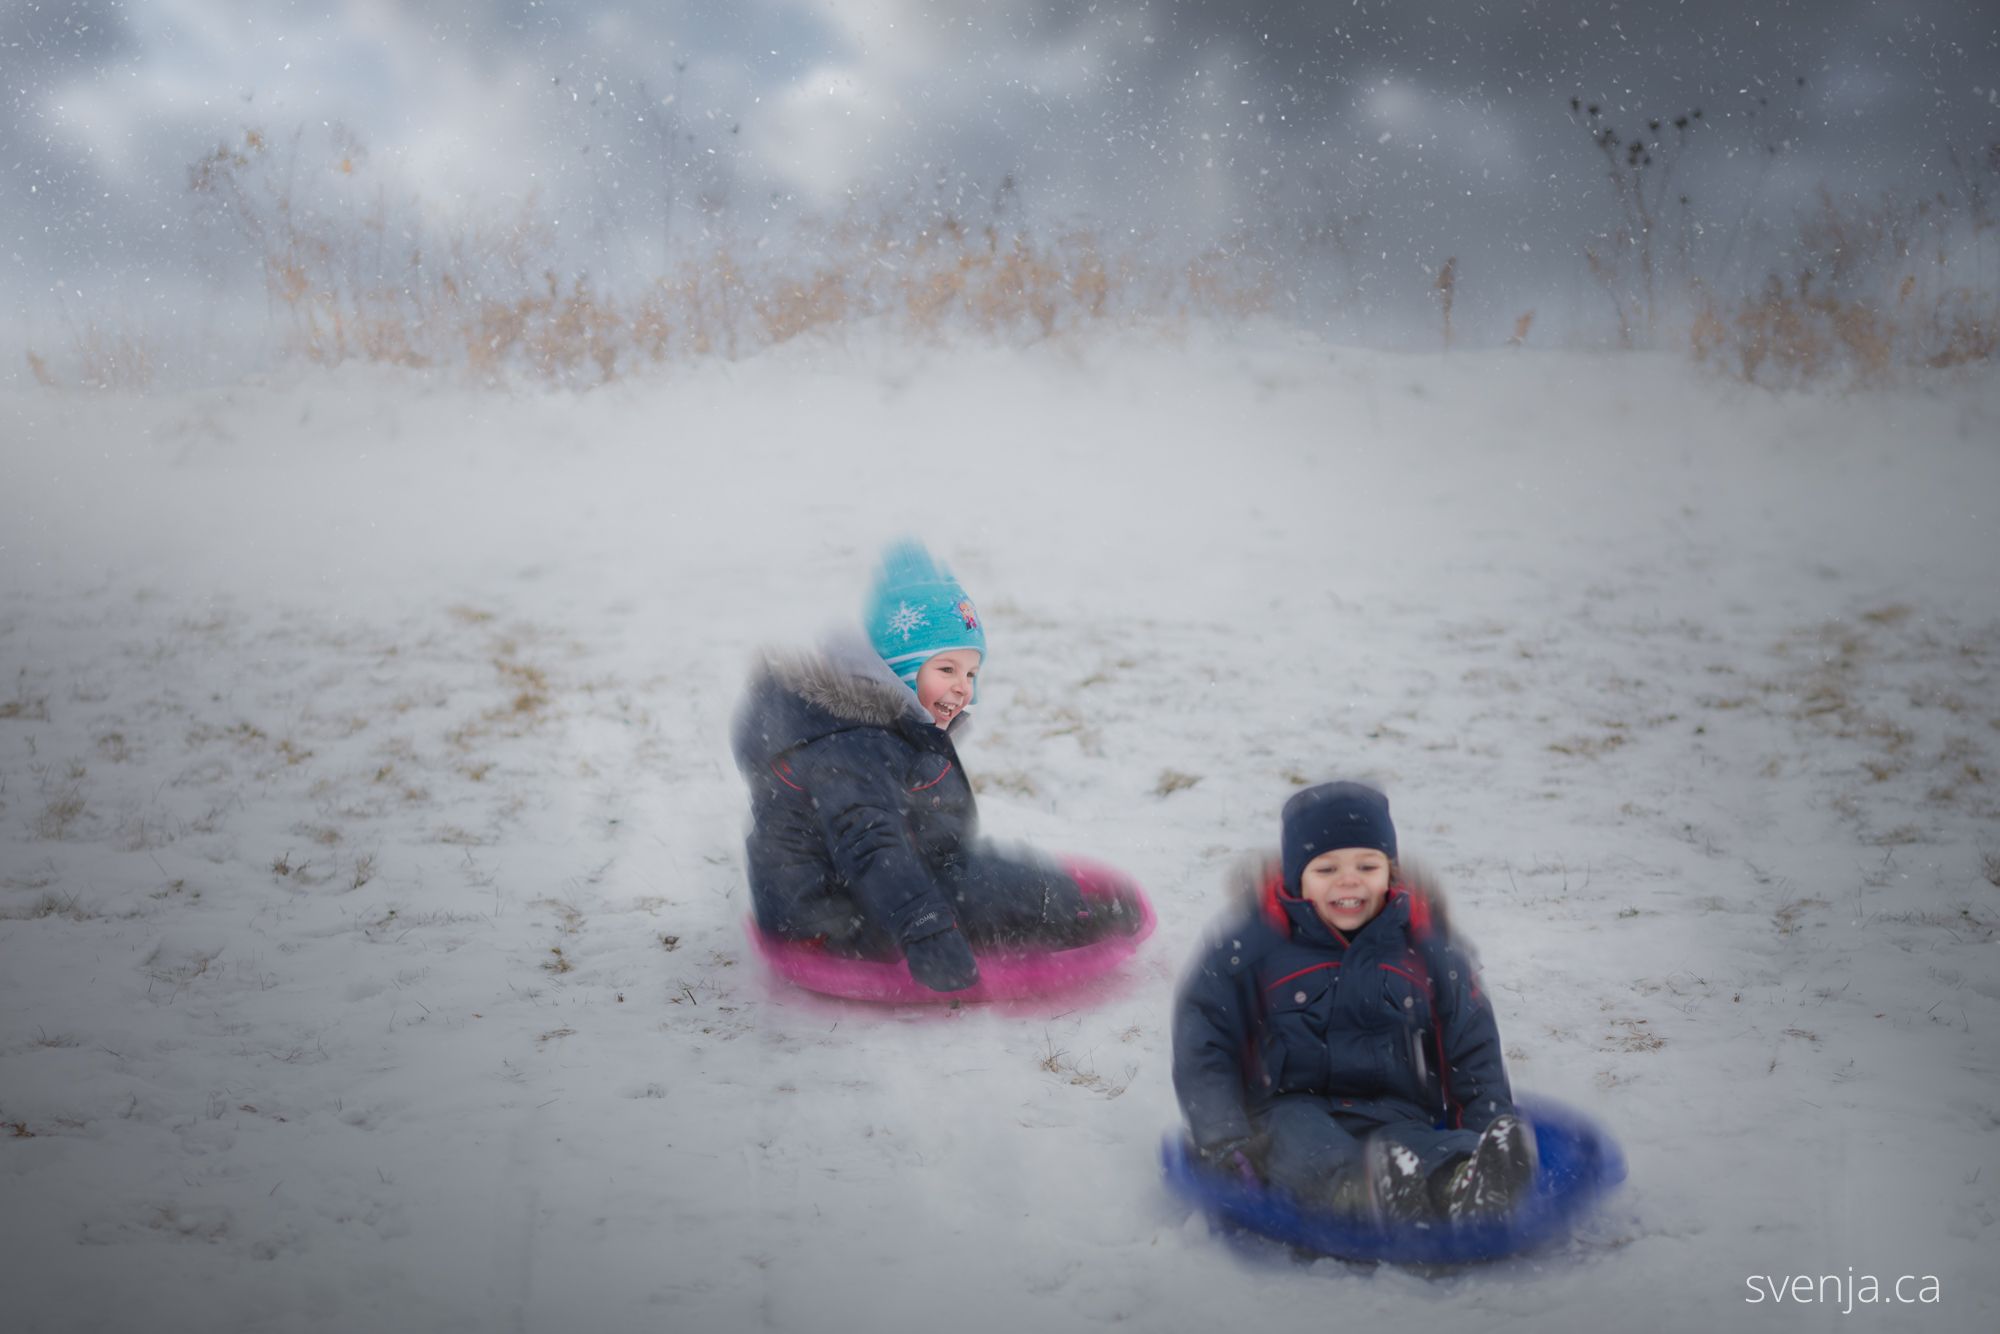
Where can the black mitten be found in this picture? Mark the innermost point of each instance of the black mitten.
(942, 962)
(1234, 1159)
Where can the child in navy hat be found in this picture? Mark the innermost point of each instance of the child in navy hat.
(1335, 1042)
(864, 833)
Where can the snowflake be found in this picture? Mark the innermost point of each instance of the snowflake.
(906, 618)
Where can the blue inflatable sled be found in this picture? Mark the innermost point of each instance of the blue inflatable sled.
(1580, 1165)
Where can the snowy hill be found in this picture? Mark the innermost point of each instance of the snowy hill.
(371, 950)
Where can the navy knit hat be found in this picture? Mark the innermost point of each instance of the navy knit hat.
(1334, 815)
(917, 610)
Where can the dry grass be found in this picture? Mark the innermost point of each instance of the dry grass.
(25, 707)
(354, 268)
(1791, 914)
(1590, 747)
(1865, 290)
(529, 685)
(1802, 333)
(1878, 289)
(244, 735)
(100, 357)
(1065, 1067)
(351, 273)
(1893, 682)
(177, 969)
(60, 815)
(1444, 285)
(115, 359)
(49, 905)
(1632, 1035)
(1011, 781)
(569, 918)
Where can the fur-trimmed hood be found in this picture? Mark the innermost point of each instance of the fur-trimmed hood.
(794, 697)
(1255, 883)
(845, 677)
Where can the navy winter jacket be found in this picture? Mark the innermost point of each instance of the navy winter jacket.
(864, 831)
(1390, 1023)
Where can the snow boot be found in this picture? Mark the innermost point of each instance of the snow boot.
(1497, 1177)
(1396, 1191)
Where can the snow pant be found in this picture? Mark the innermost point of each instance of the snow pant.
(998, 901)
(1003, 901)
(1312, 1147)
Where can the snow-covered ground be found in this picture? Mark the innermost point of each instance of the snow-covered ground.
(371, 950)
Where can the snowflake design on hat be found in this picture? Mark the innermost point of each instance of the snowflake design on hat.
(906, 618)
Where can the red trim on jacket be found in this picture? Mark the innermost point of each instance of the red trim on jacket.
(1271, 904)
(1424, 981)
(1273, 911)
(1422, 928)
(783, 769)
(925, 787)
(1420, 913)
(1310, 968)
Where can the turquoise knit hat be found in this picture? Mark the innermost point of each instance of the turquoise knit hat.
(917, 611)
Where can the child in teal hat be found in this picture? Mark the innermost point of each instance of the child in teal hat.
(864, 832)
(917, 611)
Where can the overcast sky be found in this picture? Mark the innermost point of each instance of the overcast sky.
(1436, 128)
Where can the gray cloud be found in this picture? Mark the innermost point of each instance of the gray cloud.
(1398, 133)
(59, 33)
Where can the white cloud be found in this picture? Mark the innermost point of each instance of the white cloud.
(821, 132)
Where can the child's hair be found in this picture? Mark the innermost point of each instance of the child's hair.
(1334, 815)
(916, 610)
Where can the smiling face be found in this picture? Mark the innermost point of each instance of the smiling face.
(944, 683)
(1346, 886)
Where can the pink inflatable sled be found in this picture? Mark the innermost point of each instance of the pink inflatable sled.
(1003, 974)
